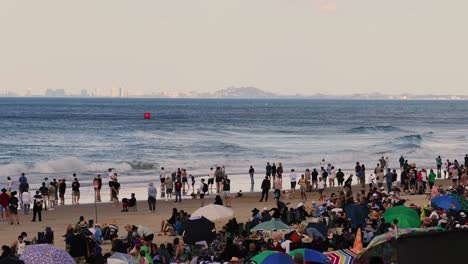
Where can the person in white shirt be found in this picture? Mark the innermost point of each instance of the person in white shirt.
(26, 201)
(9, 184)
(293, 177)
(321, 187)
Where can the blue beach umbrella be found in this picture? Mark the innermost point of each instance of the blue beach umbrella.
(444, 202)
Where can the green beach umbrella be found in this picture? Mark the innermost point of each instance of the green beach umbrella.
(271, 225)
(311, 255)
(271, 257)
(407, 217)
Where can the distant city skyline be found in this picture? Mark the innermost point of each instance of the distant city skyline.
(306, 47)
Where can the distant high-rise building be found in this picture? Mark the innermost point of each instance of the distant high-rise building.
(84, 92)
(113, 92)
(121, 92)
(55, 93)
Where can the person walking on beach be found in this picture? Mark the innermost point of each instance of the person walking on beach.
(76, 191)
(52, 191)
(279, 170)
(97, 182)
(293, 177)
(439, 166)
(9, 184)
(266, 185)
(152, 194)
(37, 207)
(178, 191)
(211, 176)
(321, 188)
(115, 192)
(251, 173)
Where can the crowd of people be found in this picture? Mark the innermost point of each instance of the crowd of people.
(235, 243)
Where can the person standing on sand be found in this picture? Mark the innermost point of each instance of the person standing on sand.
(293, 177)
(97, 182)
(314, 179)
(266, 185)
(76, 191)
(45, 194)
(211, 176)
(389, 180)
(62, 189)
(227, 191)
(202, 190)
(26, 201)
(302, 186)
(219, 175)
(162, 179)
(169, 185)
(111, 181)
(13, 205)
(152, 194)
(178, 190)
(402, 162)
(23, 185)
(439, 166)
(268, 169)
(251, 173)
(279, 170)
(4, 199)
(340, 177)
(273, 171)
(115, 192)
(37, 207)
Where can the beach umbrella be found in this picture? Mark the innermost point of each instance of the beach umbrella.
(271, 257)
(121, 258)
(343, 256)
(214, 212)
(407, 217)
(198, 229)
(445, 201)
(322, 228)
(270, 226)
(45, 254)
(311, 255)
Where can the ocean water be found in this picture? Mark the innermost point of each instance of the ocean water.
(55, 137)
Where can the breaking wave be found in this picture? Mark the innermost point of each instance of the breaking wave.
(373, 129)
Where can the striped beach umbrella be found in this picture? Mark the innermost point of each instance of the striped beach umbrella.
(343, 256)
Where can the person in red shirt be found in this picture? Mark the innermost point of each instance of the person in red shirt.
(4, 199)
(178, 191)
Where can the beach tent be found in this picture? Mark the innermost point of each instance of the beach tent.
(311, 255)
(271, 257)
(198, 229)
(357, 214)
(214, 212)
(343, 256)
(45, 254)
(270, 226)
(322, 228)
(407, 217)
(121, 258)
(445, 201)
(387, 246)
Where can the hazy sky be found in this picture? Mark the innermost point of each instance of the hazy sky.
(283, 46)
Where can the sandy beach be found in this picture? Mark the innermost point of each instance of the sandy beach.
(62, 216)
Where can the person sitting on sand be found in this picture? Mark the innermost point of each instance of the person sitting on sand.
(126, 203)
(165, 224)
